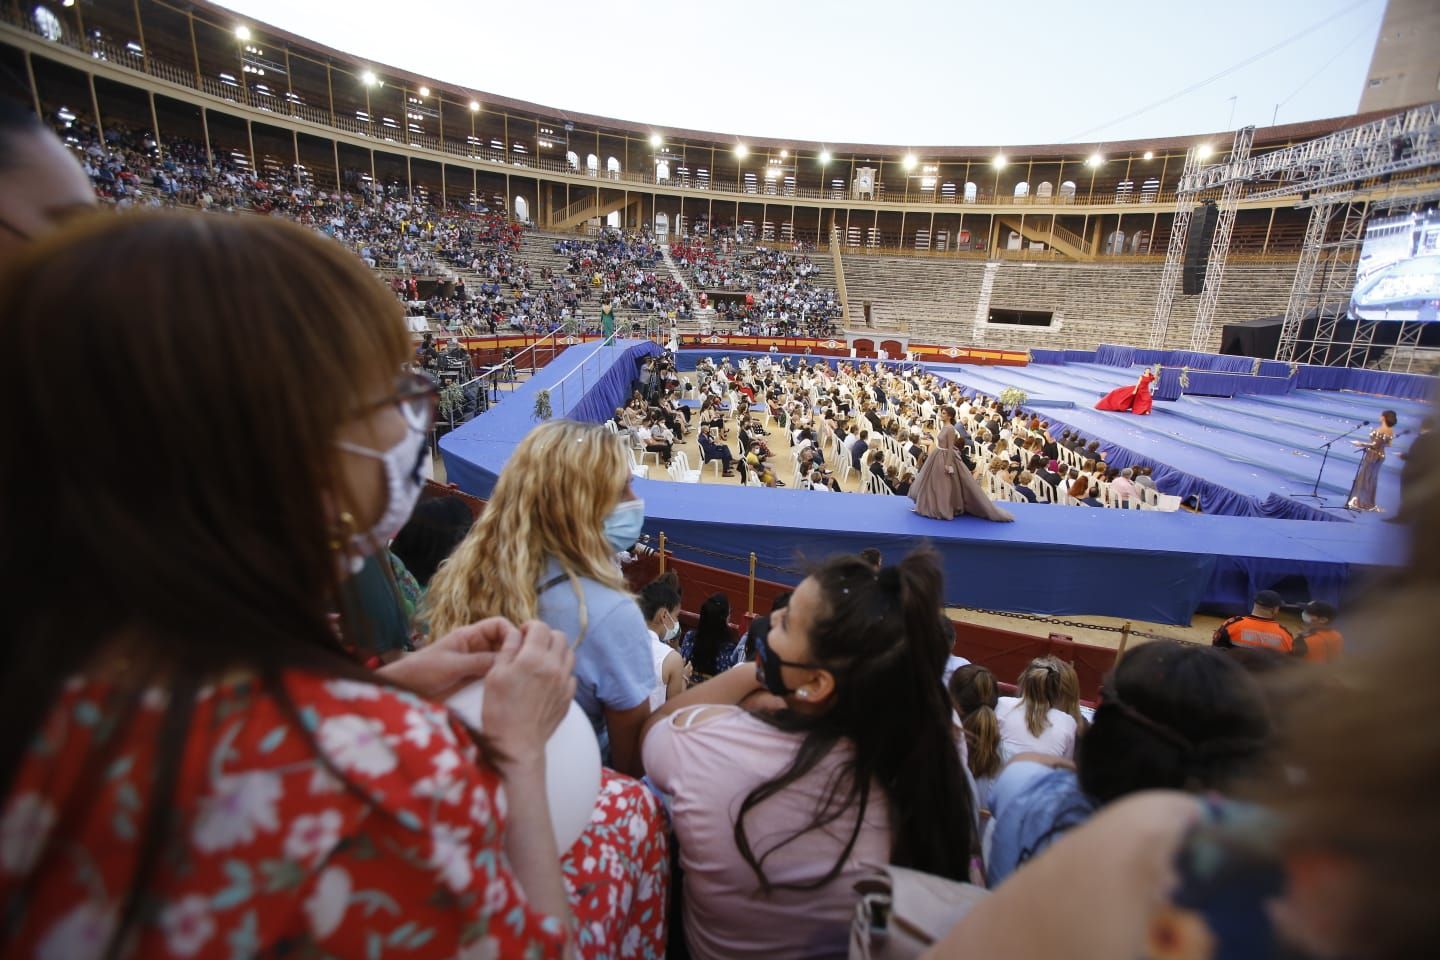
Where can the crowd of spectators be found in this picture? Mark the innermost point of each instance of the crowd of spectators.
(421, 250)
(880, 422)
(627, 270)
(205, 756)
(782, 295)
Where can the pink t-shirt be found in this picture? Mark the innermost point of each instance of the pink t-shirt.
(708, 767)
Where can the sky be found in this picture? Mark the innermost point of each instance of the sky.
(903, 72)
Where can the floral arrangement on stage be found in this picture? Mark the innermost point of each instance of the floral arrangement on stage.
(1013, 397)
(542, 405)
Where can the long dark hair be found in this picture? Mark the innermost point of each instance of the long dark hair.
(219, 356)
(711, 634)
(882, 635)
(1173, 716)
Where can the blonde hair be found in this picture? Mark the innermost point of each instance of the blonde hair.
(550, 501)
(1069, 701)
(1040, 688)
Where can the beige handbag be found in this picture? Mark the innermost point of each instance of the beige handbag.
(903, 912)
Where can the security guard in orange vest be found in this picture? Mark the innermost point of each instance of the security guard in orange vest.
(1258, 629)
(1319, 642)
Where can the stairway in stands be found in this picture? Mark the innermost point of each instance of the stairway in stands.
(704, 318)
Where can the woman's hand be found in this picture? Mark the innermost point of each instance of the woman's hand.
(527, 693)
(456, 660)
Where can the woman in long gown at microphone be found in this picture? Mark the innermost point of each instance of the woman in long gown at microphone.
(1134, 399)
(945, 488)
(1362, 490)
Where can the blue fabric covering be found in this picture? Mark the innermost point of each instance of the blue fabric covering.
(1211, 383)
(1250, 456)
(1052, 560)
(586, 382)
(1274, 368)
(1409, 386)
(1160, 567)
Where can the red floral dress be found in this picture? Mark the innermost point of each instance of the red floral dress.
(274, 854)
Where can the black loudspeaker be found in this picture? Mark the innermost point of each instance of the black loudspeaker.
(1197, 247)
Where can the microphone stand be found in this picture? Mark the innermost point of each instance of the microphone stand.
(1314, 493)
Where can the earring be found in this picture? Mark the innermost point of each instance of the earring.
(341, 532)
(802, 693)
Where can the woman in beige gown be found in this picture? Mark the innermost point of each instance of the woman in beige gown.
(945, 488)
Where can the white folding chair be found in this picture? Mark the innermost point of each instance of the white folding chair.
(680, 468)
(641, 453)
(636, 470)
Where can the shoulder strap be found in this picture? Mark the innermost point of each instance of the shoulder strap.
(583, 609)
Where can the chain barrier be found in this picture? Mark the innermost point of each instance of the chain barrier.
(1059, 622)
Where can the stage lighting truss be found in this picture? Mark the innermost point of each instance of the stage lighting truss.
(1341, 178)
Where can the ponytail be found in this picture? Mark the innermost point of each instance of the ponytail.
(972, 687)
(1040, 689)
(883, 636)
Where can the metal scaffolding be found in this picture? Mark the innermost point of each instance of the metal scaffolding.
(1220, 246)
(1341, 177)
(1174, 257)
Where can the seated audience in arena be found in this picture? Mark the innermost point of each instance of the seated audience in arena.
(224, 733)
(1090, 496)
(660, 606)
(1257, 628)
(1025, 486)
(1035, 722)
(712, 448)
(1123, 486)
(972, 688)
(42, 186)
(1319, 641)
(1172, 716)
(544, 549)
(850, 759)
(711, 647)
(1338, 862)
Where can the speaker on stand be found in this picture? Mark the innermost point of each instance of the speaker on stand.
(1197, 247)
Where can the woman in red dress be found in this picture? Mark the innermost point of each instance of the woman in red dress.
(1134, 399)
(192, 766)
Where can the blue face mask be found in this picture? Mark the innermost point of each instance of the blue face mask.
(623, 525)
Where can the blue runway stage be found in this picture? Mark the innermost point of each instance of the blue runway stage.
(1052, 560)
(1247, 456)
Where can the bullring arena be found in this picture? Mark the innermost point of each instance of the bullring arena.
(1192, 375)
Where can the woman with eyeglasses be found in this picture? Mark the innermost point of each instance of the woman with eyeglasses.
(192, 764)
(845, 754)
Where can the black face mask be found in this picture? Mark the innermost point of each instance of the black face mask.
(768, 667)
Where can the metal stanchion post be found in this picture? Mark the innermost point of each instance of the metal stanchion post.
(750, 603)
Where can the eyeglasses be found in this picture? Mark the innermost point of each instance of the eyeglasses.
(415, 397)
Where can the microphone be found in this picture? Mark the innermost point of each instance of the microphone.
(1364, 423)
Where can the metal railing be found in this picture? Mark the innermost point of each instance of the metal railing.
(239, 91)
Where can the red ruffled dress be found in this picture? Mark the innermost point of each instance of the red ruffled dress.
(1134, 399)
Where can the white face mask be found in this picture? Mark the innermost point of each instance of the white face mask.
(1305, 617)
(403, 482)
(674, 630)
